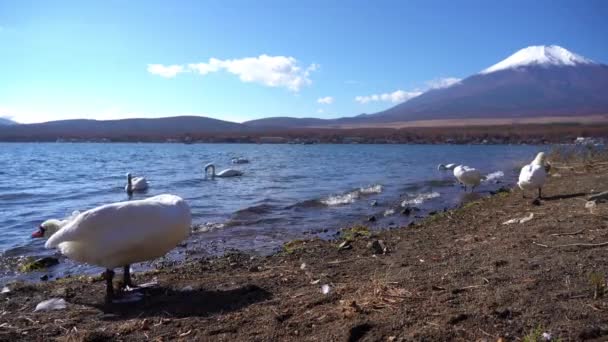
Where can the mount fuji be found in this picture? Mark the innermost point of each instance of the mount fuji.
(546, 83)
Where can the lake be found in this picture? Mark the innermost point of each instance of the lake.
(286, 192)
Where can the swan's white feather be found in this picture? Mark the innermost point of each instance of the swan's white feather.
(122, 233)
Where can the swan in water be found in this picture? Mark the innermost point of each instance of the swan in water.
(135, 184)
(119, 234)
(468, 176)
(240, 161)
(534, 175)
(223, 173)
(445, 167)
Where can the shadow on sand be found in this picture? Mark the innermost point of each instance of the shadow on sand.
(567, 196)
(171, 303)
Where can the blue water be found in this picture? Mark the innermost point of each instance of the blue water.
(286, 192)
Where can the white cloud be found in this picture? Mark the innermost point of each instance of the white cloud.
(167, 71)
(320, 111)
(325, 100)
(397, 96)
(271, 71)
(442, 82)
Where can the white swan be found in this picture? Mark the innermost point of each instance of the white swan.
(468, 176)
(135, 184)
(444, 167)
(240, 161)
(122, 233)
(223, 173)
(534, 175)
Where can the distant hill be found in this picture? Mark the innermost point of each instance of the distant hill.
(6, 122)
(178, 126)
(283, 121)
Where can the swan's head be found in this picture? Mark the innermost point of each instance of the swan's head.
(48, 228)
(540, 159)
(441, 167)
(129, 177)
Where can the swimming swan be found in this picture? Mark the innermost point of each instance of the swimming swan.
(468, 176)
(223, 173)
(119, 234)
(534, 175)
(444, 167)
(135, 184)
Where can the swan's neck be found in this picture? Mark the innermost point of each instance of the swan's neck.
(212, 167)
(539, 160)
(129, 184)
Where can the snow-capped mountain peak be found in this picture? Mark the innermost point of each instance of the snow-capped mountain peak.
(539, 55)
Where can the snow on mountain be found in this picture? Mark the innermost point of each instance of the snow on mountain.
(543, 55)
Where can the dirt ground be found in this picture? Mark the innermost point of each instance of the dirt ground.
(460, 275)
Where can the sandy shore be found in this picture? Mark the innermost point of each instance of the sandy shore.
(457, 275)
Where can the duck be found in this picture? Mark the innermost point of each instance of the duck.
(120, 234)
(468, 176)
(240, 161)
(445, 167)
(136, 184)
(534, 175)
(223, 173)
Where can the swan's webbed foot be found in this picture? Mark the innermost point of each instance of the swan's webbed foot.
(109, 276)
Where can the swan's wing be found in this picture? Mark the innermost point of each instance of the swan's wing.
(524, 174)
(124, 221)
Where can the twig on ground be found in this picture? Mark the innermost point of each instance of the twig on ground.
(564, 234)
(590, 245)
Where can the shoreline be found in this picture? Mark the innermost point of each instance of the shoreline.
(457, 275)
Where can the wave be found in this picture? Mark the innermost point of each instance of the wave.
(351, 197)
(207, 227)
(429, 184)
(418, 199)
(494, 176)
(389, 212)
(259, 209)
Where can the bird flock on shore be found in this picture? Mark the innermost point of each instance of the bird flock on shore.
(120, 234)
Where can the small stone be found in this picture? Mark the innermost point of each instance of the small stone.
(254, 268)
(407, 211)
(371, 219)
(44, 277)
(344, 245)
(325, 289)
(374, 203)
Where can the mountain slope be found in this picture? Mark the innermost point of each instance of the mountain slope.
(6, 122)
(533, 82)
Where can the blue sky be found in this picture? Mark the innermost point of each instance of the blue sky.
(241, 60)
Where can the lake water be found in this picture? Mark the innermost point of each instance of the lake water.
(286, 192)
